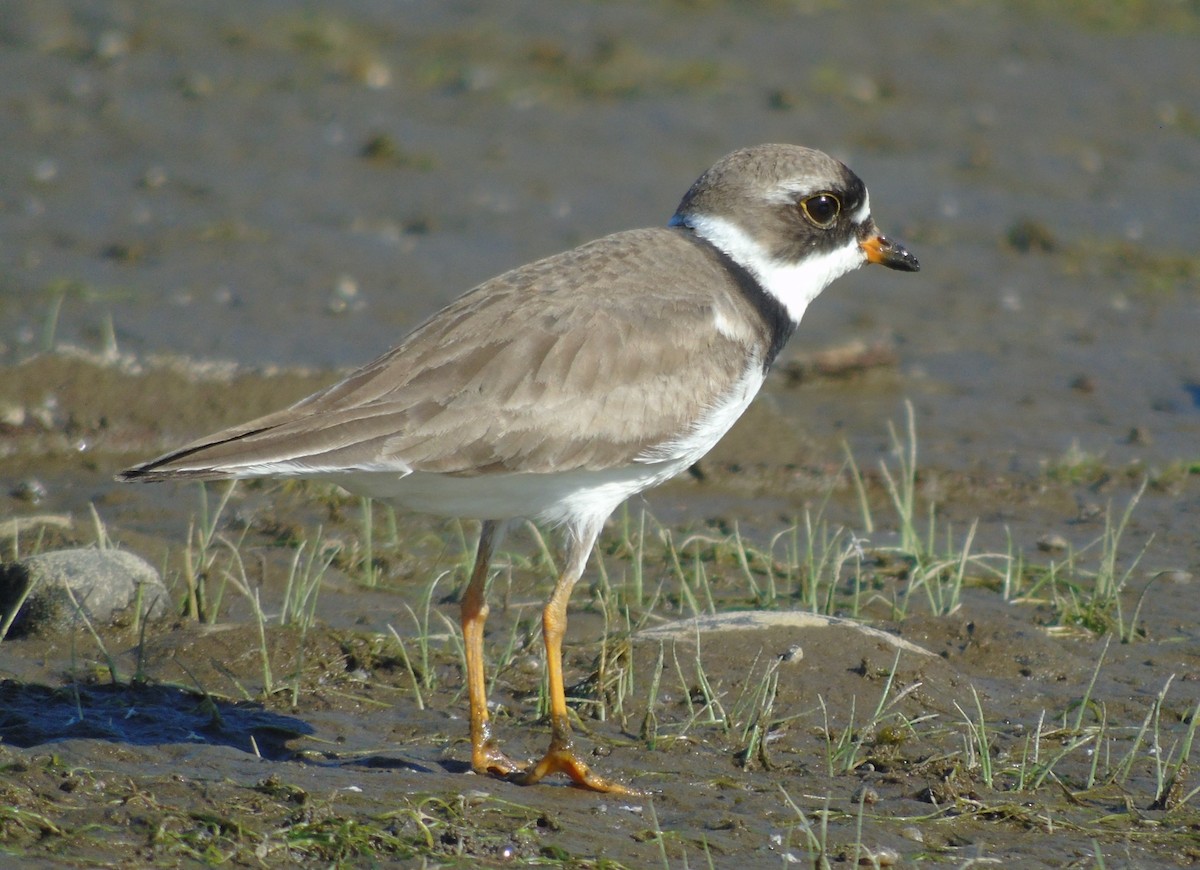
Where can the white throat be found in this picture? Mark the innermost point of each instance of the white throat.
(795, 285)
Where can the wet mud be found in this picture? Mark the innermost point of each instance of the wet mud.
(207, 215)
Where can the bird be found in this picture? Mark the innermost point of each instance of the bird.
(555, 391)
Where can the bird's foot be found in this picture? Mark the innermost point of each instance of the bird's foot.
(562, 759)
(488, 760)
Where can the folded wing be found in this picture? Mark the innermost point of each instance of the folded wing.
(567, 363)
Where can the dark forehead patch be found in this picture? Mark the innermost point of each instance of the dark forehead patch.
(854, 191)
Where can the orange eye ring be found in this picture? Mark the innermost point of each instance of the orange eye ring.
(821, 209)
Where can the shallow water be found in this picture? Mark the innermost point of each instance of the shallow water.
(292, 186)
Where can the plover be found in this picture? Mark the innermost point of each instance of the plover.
(557, 390)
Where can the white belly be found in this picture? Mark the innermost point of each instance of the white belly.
(546, 498)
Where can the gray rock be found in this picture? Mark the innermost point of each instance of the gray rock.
(105, 584)
(762, 620)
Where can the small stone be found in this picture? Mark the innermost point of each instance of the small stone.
(865, 794)
(864, 89)
(1029, 236)
(383, 148)
(372, 72)
(112, 44)
(528, 664)
(45, 170)
(1140, 436)
(154, 177)
(29, 490)
(12, 416)
(196, 86)
(1052, 543)
(794, 653)
(345, 297)
(780, 100)
(882, 856)
(104, 583)
(1083, 384)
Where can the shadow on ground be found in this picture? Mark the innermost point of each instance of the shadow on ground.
(140, 715)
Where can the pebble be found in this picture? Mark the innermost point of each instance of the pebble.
(1027, 235)
(794, 653)
(864, 794)
(345, 297)
(29, 490)
(1052, 543)
(1140, 436)
(883, 856)
(105, 584)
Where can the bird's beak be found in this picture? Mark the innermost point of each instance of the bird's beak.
(885, 252)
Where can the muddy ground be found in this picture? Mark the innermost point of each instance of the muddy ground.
(205, 214)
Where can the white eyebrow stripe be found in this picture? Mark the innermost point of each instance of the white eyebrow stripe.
(863, 213)
(786, 194)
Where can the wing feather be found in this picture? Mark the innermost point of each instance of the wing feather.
(519, 375)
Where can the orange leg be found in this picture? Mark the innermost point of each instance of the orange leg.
(561, 756)
(486, 757)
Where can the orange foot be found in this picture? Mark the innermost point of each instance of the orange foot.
(562, 759)
(488, 760)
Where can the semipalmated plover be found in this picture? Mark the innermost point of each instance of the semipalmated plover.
(559, 389)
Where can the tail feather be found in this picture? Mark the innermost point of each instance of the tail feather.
(174, 465)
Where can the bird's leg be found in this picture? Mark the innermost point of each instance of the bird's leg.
(486, 757)
(561, 756)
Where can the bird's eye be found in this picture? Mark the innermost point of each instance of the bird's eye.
(821, 208)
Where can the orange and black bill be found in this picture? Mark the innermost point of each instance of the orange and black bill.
(884, 252)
